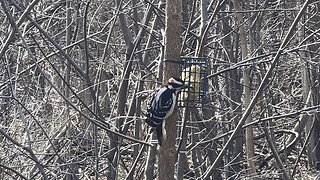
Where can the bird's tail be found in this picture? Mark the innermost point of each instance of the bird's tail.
(159, 134)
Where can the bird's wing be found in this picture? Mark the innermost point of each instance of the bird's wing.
(159, 104)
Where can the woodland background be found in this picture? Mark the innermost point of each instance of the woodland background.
(75, 75)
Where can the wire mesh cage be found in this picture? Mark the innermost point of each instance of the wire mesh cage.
(194, 71)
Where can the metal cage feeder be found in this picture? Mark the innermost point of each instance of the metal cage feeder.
(194, 71)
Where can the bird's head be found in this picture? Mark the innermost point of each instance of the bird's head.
(177, 84)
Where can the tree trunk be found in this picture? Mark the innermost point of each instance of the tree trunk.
(247, 86)
(66, 69)
(167, 152)
(182, 151)
(122, 93)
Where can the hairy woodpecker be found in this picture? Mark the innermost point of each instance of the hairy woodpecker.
(161, 105)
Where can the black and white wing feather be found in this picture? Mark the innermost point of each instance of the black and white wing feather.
(160, 106)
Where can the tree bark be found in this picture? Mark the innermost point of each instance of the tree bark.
(167, 152)
(246, 89)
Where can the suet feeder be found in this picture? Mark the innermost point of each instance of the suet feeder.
(194, 71)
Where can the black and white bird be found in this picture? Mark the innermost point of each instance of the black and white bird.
(161, 105)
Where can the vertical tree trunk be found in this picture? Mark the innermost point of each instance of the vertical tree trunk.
(151, 161)
(122, 93)
(203, 23)
(182, 154)
(311, 76)
(234, 91)
(69, 176)
(306, 89)
(167, 152)
(246, 90)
